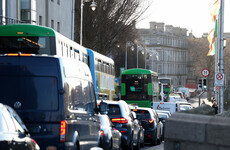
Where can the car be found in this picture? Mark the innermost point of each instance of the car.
(124, 121)
(185, 91)
(55, 98)
(142, 131)
(185, 106)
(173, 97)
(110, 138)
(172, 107)
(162, 117)
(13, 132)
(164, 111)
(151, 124)
(180, 93)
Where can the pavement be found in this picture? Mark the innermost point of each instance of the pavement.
(203, 99)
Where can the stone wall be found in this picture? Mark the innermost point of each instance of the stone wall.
(184, 131)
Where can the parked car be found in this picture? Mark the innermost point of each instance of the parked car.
(151, 124)
(124, 121)
(110, 138)
(13, 132)
(55, 98)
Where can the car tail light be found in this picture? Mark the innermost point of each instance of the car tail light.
(102, 133)
(63, 131)
(18, 54)
(34, 141)
(123, 131)
(150, 120)
(119, 120)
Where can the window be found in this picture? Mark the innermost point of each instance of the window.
(58, 26)
(40, 20)
(52, 23)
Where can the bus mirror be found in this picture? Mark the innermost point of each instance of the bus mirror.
(103, 108)
(61, 91)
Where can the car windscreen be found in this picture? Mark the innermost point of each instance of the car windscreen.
(142, 114)
(29, 83)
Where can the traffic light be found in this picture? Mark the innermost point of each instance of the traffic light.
(200, 84)
(204, 83)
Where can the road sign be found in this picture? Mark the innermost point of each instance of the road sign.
(205, 72)
(219, 79)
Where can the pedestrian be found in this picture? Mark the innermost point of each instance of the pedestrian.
(214, 105)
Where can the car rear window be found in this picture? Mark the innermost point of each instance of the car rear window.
(114, 110)
(143, 114)
(29, 83)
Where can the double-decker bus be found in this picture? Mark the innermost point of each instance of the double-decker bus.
(167, 85)
(139, 86)
(103, 74)
(34, 39)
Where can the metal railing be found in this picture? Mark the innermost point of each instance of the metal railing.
(7, 20)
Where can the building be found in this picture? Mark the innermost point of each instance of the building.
(56, 14)
(167, 51)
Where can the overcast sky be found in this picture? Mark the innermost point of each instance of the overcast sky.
(194, 15)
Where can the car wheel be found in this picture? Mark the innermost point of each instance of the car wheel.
(137, 147)
(154, 140)
(130, 147)
(142, 144)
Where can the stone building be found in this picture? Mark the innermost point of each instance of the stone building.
(56, 14)
(167, 51)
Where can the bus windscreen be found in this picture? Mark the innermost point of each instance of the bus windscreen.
(137, 86)
(33, 45)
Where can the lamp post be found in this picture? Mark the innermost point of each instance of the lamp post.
(138, 49)
(93, 7)
(126, 48)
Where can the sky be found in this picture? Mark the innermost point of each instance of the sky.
(194, 15)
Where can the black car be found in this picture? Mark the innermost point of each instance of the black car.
(110, 137)
(13, 133)
(123, 120)
(150, 123)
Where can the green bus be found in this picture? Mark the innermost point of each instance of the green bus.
(40, 40)
(139, 87)
(167, 85)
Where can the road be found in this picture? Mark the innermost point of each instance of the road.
(195, 103)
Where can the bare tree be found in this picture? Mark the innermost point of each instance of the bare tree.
(110, 24)
(198, 49)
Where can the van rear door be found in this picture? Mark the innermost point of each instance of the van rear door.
(30, 86)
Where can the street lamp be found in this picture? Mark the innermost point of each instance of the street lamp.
(139, 48)
(128, 44)
(93, 7)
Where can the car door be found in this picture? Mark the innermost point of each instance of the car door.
(14, 133)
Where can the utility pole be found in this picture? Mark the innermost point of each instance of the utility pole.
(221, 55)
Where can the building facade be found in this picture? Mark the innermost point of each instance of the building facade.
(56, 14)
(167, 51)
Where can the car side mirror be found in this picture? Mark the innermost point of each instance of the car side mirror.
(134, 115)
(103, 108)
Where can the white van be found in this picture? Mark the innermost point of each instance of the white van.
(185, 91)
(168, 106)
